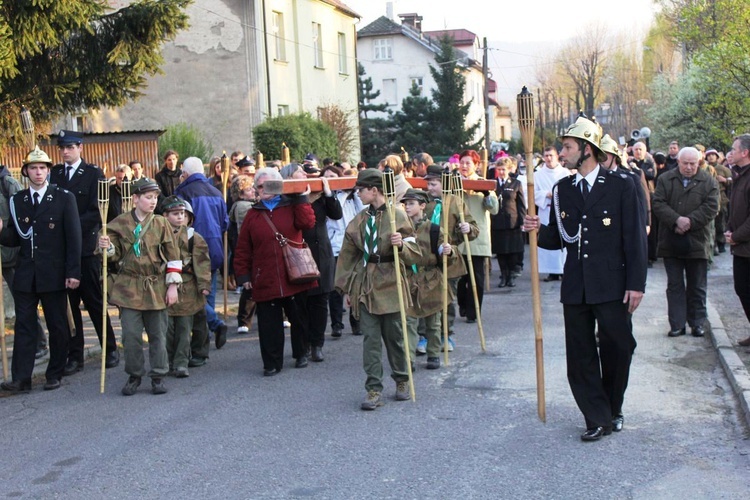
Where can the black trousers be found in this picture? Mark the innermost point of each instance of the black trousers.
(200, 341)
(25, 342)
(687, 284)
(90, 291)
(741, 270)
(246, 308)
(465, 293)
(598, 377)
(271, 330)
(9, 274)
(313, 310)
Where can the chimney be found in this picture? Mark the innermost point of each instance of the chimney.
(412, 20)
(389, 10)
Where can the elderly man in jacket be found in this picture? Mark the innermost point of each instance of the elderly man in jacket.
(686, 200)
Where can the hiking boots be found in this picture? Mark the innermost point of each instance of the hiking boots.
(131, 386)
(372, 401)
(402, 391)
(157, 386)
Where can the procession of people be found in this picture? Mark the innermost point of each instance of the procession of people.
(395, 256)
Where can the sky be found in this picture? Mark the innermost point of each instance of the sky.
(517, 49)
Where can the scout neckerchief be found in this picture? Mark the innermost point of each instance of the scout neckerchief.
(436, 213)
(140, 228)
(371, 236)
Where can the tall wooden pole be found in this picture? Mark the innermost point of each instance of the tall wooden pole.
(458, 193)
(525, 101)
(389, 190)
(445, 219)
(225, 171)
(103, 189)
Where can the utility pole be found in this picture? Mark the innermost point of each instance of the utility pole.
(485, 73)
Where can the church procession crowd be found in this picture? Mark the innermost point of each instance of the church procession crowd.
(605, 213)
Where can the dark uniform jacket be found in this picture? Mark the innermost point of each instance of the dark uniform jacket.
(611, 254)
(84, 186)
(49, 237)
(506, 223)
(739, 212)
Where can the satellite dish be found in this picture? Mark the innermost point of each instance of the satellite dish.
(645, 132)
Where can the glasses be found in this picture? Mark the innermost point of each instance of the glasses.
(259, 186)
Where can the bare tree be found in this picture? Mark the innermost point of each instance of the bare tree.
(340, 120)
(583, 60)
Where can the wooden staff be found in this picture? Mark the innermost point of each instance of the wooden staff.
(103, 187)
(389, 190)
(286, 155)
(458, 192)
(225, 170)
(487, 263)
(525, 102)
(446, 181)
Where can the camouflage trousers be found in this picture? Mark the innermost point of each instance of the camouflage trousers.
(133, 323)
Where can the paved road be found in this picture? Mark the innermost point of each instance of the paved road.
(227, 432)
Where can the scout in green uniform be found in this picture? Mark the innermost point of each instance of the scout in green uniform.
(426, 277)
(196, 283)
(143, 249)
(365, 273)
(456, 230)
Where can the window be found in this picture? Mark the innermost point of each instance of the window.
(282, 109)
(279, 37)
(383, 50)
(317, 36)
(417, 80)
(389, 91)
(342, 54)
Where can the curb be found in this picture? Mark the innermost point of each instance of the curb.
(734, 368)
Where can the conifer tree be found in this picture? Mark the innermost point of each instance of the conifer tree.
(414, 130)
(451, 134)
(375, 132)
(59, 56)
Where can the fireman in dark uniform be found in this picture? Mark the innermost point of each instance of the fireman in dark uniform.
(596, 216)
(44, 223)
(81, 179)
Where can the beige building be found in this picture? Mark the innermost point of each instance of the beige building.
(242, 61)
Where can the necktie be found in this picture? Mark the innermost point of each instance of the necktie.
(371, 238)
(435, 219)
(584, 188)
(68, 170)
(36, 200)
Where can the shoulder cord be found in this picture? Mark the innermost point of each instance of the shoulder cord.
(563, 233)
(26, 235)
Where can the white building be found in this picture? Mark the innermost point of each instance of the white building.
(398, 55)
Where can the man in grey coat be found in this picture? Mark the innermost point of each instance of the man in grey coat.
(686, 200)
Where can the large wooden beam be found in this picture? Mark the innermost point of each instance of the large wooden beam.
(296, 186)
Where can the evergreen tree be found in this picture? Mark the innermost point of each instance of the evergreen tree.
(414, 130)
(375, 132)
(59, 56)
(450, 132)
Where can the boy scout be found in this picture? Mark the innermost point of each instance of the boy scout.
(196, 284)
(456, 230)
(365, 272)
(426, 277)
(141, 244)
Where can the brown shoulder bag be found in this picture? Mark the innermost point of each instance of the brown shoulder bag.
(298, 258)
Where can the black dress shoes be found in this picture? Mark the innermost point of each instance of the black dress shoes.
(113, 359)
(596, 433)
(698, 331)
(271, 372)
(317, 354)
(617, 423)
(72, 367)
(220, 336)
(676, 333)
(41, 352)
(301, 362)
(51, 384)
(502, 283)
(17, 386)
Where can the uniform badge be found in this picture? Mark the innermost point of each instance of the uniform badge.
(562, 214)
(26, 220)
(52, 225)
(606, 221)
